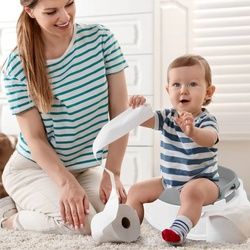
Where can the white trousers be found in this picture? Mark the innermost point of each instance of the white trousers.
(37, 196)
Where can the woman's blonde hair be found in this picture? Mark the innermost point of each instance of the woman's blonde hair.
(191, 60)
(32, 52)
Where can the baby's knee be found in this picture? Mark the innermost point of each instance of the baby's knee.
(134, 191)
(136, 195)
(192, 194)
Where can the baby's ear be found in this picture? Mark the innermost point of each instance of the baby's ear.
(210, 92)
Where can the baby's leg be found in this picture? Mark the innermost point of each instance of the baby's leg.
(144, 192)
(194, 195)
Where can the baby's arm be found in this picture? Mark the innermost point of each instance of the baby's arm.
(205, 137)
(136, 101)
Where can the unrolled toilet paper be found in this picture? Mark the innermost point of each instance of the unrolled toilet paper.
(121, 125)
(117, 222)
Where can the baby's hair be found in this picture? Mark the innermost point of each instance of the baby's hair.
(191, 60)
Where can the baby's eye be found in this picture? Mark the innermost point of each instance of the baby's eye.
(176, 85)
(193, 84)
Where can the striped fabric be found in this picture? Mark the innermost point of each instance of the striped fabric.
(80, 89)
(181, 159)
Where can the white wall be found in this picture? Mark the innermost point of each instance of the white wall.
(236, 156)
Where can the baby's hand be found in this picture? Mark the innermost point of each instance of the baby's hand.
(136, 101)
(185, 121)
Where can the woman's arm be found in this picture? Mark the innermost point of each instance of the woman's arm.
(33, 131)
(72, 194)
(118, 102)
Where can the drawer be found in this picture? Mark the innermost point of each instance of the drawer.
(139, 74)
(137, 165)
(141, 136)
(113, 7)
(133, 32)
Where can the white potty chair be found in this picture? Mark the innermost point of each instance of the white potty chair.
(162, 212)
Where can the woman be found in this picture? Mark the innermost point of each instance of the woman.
(63, 81)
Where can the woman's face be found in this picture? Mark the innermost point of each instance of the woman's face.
(55, 17)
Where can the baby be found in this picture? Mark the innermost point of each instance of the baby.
(188, 156)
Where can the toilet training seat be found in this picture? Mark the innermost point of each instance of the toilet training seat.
(162, 212)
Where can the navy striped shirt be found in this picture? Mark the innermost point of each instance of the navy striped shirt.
(80, 90)
(181, 159)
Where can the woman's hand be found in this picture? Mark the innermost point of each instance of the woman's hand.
(74, 204)
(105, 188)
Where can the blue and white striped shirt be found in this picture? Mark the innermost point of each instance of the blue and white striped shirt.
(181, 159)
(80, 89)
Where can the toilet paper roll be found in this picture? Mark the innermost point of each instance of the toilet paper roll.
(117, 222)
(124, 228)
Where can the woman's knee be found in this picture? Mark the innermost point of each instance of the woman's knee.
(38, 222)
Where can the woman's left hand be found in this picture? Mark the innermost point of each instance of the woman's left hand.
(105, 188)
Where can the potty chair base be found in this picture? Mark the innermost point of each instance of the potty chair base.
(221, 230)
(162, 212)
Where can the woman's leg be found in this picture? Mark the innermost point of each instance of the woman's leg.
(144, 192)
(90, 180)
(36, 198)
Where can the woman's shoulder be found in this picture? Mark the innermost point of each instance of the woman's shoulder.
(13, 61)
(89, 29)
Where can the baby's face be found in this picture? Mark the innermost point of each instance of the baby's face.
(187, 88)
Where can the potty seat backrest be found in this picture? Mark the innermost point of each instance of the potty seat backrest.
(228, 184)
